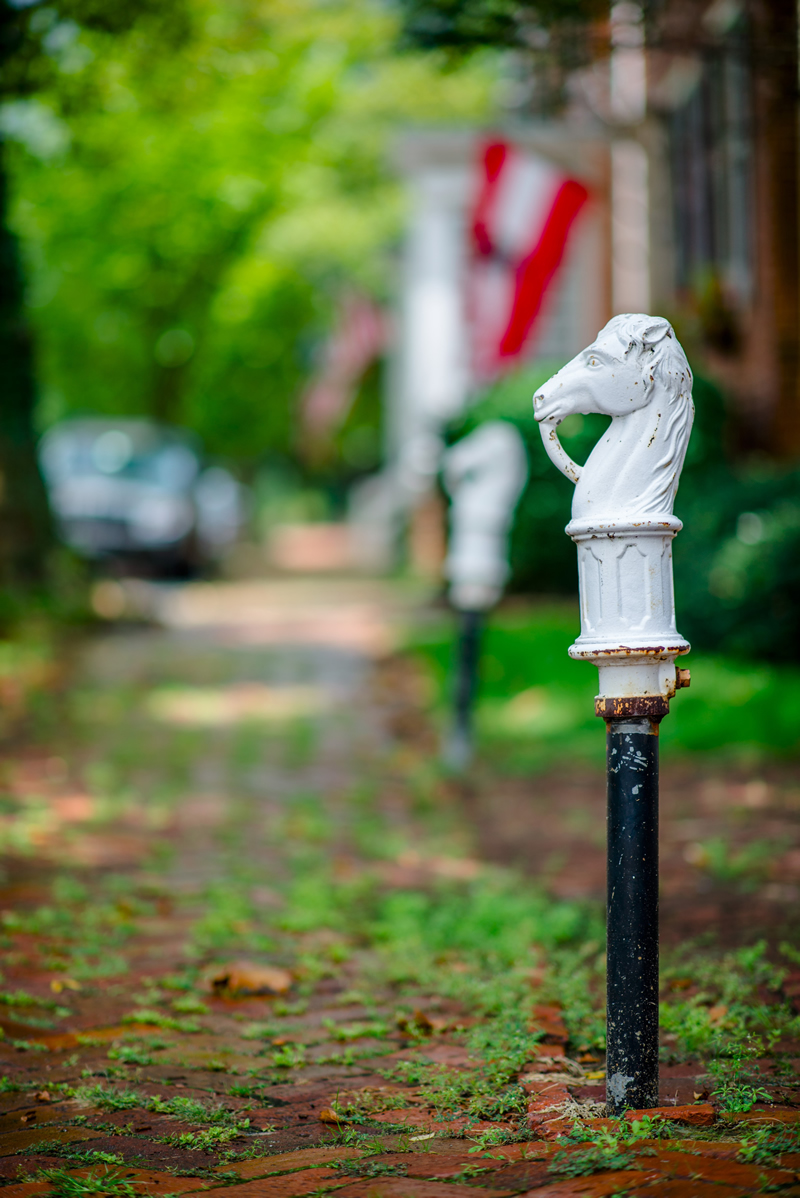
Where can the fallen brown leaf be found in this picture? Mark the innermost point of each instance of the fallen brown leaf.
(247, 977)
(422, 1023)
(327, 1115)
(59, 984)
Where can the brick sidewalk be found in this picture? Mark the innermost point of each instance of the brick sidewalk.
(205, 776)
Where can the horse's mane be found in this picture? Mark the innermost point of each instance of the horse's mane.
(652, 340)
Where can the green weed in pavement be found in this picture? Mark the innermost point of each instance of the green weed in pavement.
(376, 1028)
(159, 1019)
(368, 1168)
(21, 998)
(504, 1044)
(110, 1182)
(210, 1140)
(136, 1051)
(353, 1137)
(725, 1015)
(189, 1005)
(608, 1148)
(766, 1144)
(289, 1056)
(735, 1090)
(87, 1156)
(189, 1109)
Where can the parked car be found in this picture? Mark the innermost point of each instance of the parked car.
(137, 492)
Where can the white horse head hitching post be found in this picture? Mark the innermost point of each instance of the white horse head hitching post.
(484, 474)
(622, 521)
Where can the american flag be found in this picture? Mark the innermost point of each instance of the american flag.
(524, 212)
(359, 336)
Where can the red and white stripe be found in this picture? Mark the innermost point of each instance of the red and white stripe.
(359, 337)
(523, 216)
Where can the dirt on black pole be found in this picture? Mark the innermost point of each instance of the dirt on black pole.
(632, 949)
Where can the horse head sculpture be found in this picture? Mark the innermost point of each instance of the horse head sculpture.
(622, 521)
(637, 373)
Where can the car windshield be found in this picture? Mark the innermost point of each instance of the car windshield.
(144, 454)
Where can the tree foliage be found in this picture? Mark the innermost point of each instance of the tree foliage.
(469, 24)
(193, 193)
(34, 44)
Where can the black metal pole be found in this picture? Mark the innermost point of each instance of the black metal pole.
(469, 647)
(632, 949)
(458, 749)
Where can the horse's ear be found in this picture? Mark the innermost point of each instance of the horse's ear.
(656, 330)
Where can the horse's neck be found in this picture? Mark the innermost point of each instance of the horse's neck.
(630, 470)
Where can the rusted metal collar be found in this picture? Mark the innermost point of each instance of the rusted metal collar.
(650, 707)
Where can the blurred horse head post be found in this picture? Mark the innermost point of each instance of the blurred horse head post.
(484, 475)
(623, 525)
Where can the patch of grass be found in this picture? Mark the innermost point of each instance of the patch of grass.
(109, 1182)
(726, 1016)
(608, 1148)
(765, 1145)
(130, 1054)
(290, 1008)
(747, 867)
(289, 1056)
(374, 1029)
(190, 1005)
(601, 1155)
(191, 1110)
(351, 1137)
(495, 1137)
(503, 1045)
(350, 1055)
(259, 1031)
(210, 1140)
(84, 1156)
(194, 1111)
(735, 1091)
(159, 1019)
(535, 704)
(28, 1046)
(367, 1168)
(177, 981)
(109, 1100)
(21, 998)
(257, 1092)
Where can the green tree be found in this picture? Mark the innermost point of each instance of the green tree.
(549, 38)
(470, 24)
(189, 216)
(27, 63)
